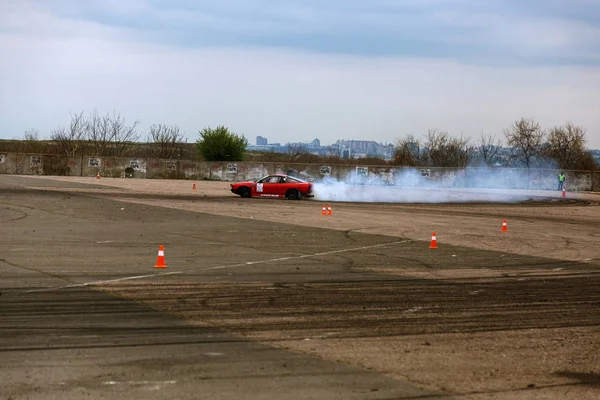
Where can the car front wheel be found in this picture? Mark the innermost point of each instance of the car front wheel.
(244, 191)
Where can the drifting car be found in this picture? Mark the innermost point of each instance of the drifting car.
(274, 185)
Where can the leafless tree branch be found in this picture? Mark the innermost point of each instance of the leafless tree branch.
(165, 142)
(487, 148)
(525, 136)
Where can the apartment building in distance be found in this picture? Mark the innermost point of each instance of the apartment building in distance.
(344, 148)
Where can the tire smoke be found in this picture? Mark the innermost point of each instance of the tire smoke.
(405, 185)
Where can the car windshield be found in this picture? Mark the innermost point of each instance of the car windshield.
(262, 179)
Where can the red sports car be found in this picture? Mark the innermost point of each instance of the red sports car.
(275, 185)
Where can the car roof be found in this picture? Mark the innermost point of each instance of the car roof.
(285, 175)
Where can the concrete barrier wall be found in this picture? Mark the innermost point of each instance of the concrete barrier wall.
(595, 179)
(114, 167)
(309, 172)
(7, 163)
(40, 164)
(194, 170)
(513, 178)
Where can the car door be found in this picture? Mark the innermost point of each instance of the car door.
(266, 187)
(258, 187)
(283, 185)
(275, 187)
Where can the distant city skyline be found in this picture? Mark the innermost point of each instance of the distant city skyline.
(364, 148)
(294, 71)
(343, 148)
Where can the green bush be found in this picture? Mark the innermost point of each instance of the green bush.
(221, 145)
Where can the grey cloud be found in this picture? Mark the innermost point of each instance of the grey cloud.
(55, 64)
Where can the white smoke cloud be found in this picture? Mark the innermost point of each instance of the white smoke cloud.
(427, 185)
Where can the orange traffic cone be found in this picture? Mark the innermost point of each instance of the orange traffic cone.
(98, 175)
(564, 192)
(504, 227)
(324, 211)
(194, 186)
(329, 210)
(433, 244)
(160, 260)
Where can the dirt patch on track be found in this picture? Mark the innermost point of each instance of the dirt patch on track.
(463, 337)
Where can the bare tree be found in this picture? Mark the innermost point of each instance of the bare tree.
(109, 135)
(435, 145)
(444, 150)
(31, 142)
(525, 136)
(165, 141)
(296, 151)
(587, 162)
(460, 152)
(70, 140)
(487, 148)
(409, 152)
(333, 155)
(566, 145)
(31, 135)
(97, 134)
(122, 135)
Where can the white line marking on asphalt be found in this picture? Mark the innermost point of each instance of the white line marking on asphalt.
(213, 354)
(139, 382)
(326, 253)
(129, 278)
(412, 310)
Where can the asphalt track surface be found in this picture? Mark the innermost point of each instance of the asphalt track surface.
(67, 334)
(79, 342)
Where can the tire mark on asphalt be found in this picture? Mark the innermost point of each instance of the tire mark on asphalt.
(531, 388)
(51, 212)
(326, 253)
(136, 277)
(94, 283)
(35, 270)
(23, 215)
(348, 232)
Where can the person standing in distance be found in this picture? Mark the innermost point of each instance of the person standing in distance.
(561, 180)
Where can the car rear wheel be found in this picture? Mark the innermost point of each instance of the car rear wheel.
(244, 191)
(293, 194)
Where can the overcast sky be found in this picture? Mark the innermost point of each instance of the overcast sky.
(299, 70)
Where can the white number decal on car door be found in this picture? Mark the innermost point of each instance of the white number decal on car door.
(259, 188)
